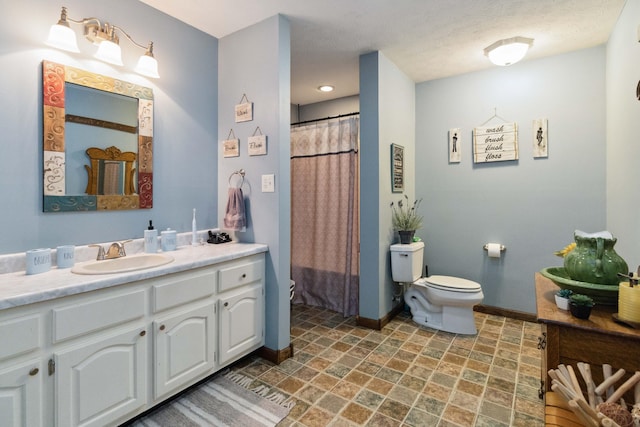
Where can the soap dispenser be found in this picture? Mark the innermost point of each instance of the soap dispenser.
(150, 239)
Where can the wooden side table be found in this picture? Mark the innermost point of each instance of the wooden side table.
(568, 340)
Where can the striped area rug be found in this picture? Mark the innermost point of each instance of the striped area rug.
(226, 400)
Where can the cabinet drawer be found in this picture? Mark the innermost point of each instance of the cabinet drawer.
(19, 336)
(79, 319)
(180, 290)
(240, 274)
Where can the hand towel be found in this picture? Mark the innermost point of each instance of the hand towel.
(235, 217)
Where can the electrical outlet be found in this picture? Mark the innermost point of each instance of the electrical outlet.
(268, 183)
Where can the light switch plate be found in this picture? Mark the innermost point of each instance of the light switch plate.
(268, 183)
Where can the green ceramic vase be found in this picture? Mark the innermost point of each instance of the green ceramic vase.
(594, 260)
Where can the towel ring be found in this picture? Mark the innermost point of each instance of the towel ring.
(238, 172)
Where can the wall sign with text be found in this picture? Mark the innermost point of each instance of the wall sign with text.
(244, 110)
(495, 143)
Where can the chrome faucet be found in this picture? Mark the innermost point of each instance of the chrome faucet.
(116, 250)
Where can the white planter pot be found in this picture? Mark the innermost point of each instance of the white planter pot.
(562, 303)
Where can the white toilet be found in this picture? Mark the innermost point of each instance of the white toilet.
(439, 302)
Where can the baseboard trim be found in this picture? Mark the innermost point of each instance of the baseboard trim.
(275, 356)
(514, 314)
(378, 324)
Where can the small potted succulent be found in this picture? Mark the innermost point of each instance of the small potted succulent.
(580, 306)
(562, 298)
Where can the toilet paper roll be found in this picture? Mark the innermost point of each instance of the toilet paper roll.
(494, 250)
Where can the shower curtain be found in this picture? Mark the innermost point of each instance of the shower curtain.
(325, 214)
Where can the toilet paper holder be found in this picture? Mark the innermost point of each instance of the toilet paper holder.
(502, 247)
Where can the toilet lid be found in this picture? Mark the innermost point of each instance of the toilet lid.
(449, 283)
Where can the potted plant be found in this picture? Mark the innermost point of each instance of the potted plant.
(405, 219)
(562, 298)
(580, 306)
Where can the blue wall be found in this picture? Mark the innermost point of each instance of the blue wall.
(623, 131)
(256, 61)
(387, 102)
(185, 122)
(531, 206)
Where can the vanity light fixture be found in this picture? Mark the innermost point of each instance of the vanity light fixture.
(508, 51)
(326, 88)
(105, 36)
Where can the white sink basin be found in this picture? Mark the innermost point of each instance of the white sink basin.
(122, 265)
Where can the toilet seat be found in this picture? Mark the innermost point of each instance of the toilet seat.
(448, 283)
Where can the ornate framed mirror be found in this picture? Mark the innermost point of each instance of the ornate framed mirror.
(97, 141)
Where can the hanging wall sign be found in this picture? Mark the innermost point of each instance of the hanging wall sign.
(257, 143)
(455, 145)
(495, 143)
(540, 142)
(244, 110)
(231, 146)
(397, 168)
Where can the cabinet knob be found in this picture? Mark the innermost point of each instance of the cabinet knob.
(143, 333)
(162, 327)
(226, 304)
(34, 372)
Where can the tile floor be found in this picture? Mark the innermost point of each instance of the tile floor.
(406, 375)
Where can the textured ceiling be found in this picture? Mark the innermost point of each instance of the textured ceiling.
(426, 39)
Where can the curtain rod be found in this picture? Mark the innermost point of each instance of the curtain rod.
(327, 118)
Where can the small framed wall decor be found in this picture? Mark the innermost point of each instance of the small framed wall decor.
(244, 110)
(397, 168)
(455, 145)
(257, 144)
(540, 142)
(231, 146)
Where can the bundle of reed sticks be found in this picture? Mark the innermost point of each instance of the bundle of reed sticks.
(603, 404)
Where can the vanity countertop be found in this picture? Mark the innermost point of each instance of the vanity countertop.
(18, 288)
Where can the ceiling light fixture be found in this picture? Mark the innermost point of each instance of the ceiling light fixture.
(508, 51)
(61, 36)
(326, 88)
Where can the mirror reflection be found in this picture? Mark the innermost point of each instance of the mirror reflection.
(98, 139)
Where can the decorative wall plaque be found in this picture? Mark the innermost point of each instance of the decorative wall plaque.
(455, 145)
(244, 110)
(495, 143)
(540, 142)
(397, 168)
(231, 148)
(257, 144)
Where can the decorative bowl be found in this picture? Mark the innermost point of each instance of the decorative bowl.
(601, 294)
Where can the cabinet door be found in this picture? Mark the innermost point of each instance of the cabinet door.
(184, 347)
(21, 396)
(101, 381)
(241, 322)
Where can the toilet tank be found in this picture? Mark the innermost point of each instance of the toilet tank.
(406, 262)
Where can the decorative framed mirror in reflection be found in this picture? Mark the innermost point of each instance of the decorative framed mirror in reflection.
(98, 141)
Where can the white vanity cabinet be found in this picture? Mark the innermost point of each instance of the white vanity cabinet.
(101, 357)
(21, 374)
(241, 308)
(101, 381)
(184, 348)
(21, 395)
